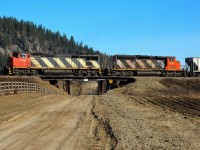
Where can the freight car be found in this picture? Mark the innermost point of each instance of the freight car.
(139, 65)
(193, 66)
(78, 65)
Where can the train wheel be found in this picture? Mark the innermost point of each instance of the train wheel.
(174, 74)
(16, 72)
(34, 72)
(130, 74)
(135, 73)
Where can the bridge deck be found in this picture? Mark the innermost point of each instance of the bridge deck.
(87, 78)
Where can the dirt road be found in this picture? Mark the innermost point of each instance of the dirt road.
(46, 122)
(131, 117)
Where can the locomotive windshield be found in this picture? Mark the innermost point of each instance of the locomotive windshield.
(22, 55)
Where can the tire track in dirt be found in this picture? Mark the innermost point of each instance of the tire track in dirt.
(58, 122)
(186, 106)
(107, 127)
(97, 133)
(110, 121)
(177, 104)
(24, 122)
(16, 105)
(144, 123)
(63, 124)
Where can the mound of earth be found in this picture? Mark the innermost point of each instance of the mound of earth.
(153, 86)
(182, 86)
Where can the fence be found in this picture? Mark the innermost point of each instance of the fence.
(9, 88)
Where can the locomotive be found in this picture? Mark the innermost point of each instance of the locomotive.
(133, 65)
(91, 65)
(36, 64)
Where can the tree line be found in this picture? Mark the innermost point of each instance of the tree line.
(28, 36)
(31, 38)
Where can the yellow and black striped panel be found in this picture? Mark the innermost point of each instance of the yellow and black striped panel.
(63, 63)
(139, 64)
(95, 64)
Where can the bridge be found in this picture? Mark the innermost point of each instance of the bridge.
(104, 82)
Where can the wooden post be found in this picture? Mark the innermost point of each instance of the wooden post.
(67, 86)
(100, 87)
(0, 89)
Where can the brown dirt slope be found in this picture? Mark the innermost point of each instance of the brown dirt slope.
(163, 86)
(51, 122)
(154, 113)
(30, 79)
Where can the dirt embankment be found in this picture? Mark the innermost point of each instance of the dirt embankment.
(153, 113)
(33, 79)
(142, 115)
(177, 94)
(153, 86)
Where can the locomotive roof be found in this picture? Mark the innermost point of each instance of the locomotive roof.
(19, 52)
(63, 55)
(143, 56)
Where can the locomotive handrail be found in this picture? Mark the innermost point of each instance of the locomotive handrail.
(10, 88)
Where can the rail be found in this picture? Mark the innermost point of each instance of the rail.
(10, 88)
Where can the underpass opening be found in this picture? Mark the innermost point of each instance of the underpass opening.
(106, 85)
(75, 86)
(89, 88)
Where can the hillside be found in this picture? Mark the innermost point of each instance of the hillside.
(25, 36)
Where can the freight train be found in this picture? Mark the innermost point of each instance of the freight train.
(91, 65)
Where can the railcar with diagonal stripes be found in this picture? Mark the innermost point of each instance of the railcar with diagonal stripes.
(79, 65)
(139, 65)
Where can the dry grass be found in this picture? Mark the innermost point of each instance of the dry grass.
(181, 86)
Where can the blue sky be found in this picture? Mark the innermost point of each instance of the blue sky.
(147, 27)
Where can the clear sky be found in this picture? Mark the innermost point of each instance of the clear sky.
(147, 27)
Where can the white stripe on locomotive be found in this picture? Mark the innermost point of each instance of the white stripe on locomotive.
(69, 60)
(47, 62)
(82, 62)
(59, 62)
(94, 63)
(35, 63)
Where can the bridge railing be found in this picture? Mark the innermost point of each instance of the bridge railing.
(10, 88)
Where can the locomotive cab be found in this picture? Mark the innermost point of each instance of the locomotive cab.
(19, 63)
(172, 64)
